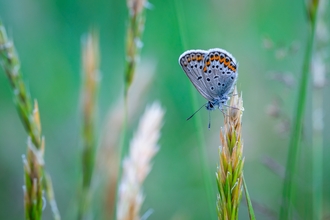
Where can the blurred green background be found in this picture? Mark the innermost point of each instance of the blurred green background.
(47, 35)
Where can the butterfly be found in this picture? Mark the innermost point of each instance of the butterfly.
(213, 73)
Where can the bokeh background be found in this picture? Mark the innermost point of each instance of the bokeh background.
(266, 37)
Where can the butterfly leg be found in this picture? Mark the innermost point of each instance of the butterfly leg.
(209, 119)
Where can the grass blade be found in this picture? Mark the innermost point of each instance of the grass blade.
(248, 201)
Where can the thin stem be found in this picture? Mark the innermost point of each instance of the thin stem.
(294, 147)
(207, 178)
(319, 69)
(122, 151)
(135, 29)
(317, 156)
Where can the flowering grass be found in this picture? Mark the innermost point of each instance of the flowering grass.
(137, 165)
(230, 171)
(36, 181)
(90, 63)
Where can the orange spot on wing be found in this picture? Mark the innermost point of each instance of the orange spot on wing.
(231, 67)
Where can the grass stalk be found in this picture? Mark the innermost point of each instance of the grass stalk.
(319, 69)
(90, 63)
(294, 147)
(317, 151)
(135, 29)
(230, 170)
(198, 125)
(108, 155)
(34, 173)
(203, 158)
(134, 33)
(137, 165)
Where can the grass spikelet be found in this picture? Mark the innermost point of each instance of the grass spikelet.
(230, 171)
(90, 63)
(34, 174)
(137, 165)
(108, 155)
(134, 33)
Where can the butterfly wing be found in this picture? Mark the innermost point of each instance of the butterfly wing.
(192, 63)
(219, 73)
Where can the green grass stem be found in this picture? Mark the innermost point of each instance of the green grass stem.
(317, 150)
(207, 177)
(134, 33)
(294, 147)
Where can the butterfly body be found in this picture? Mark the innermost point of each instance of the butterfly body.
(213, 73)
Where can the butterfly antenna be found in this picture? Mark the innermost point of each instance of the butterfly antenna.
(196, 112)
